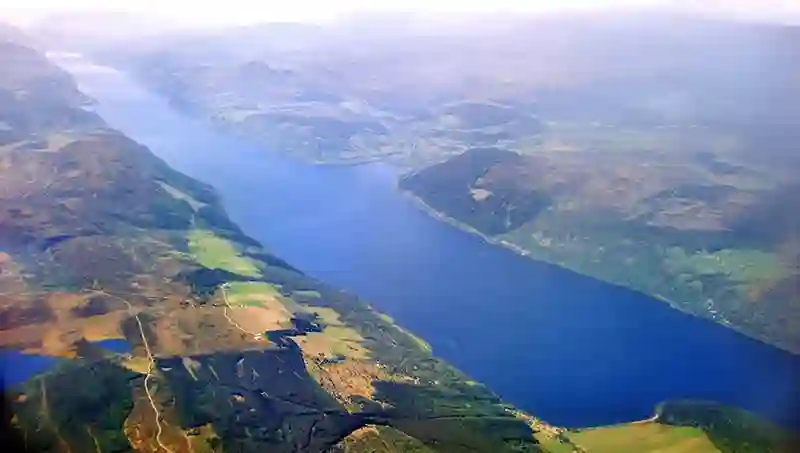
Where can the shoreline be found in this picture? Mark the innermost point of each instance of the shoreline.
(230, 128)
(653, 419)
(438, 215)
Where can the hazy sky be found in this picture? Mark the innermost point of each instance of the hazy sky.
(210, 12)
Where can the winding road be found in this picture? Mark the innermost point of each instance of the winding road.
(256, 335)
(151, 359)
(150, 367)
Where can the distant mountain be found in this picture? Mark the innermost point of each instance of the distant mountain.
(93, 27)
(11, 33)
(639, 72)
(38, 98)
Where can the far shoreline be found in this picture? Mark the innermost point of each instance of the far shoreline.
(438, 215)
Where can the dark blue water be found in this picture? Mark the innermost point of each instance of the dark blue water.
(16, 367)
(572, 350)
(118, 345)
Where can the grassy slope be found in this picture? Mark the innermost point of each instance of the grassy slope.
(738, 274)
(644, 437)
(216, 253)
(730, 429)
(689, 427)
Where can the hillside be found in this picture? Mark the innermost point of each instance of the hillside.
(688, 426)
(218, 345)
(712, 237)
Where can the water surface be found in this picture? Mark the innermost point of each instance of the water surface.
(573, 350)
(117, 345)
(16, 367)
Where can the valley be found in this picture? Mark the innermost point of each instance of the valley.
(661, 164)
(235, 349)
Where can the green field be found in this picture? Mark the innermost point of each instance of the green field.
(307, 293)
(643, 438)
(251, 294)
(552, 445)
(739, 265)
(215, 252)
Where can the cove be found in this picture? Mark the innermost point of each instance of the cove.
(570, 349)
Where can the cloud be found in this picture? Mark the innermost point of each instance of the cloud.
(248, 11)
(243, 11)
